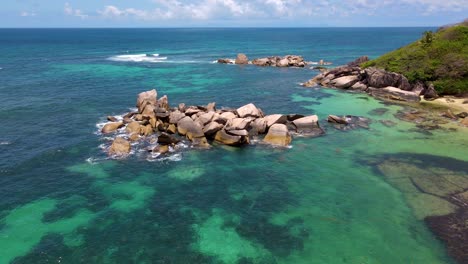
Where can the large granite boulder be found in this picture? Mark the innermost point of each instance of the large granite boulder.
(308, 125)
(249, 110)
(145, 98)
(119, 147)
(133, 127)
(175, 117)
(187, 127)
(242, 59)
(430, 93)
(163, 103)
(212, 128)
(275, 119)
(379, 78)
(394, 94)
(345, 82)
(258, 126)
(111, 127)
(238, 124)
(278, 134)
(166, 139)
(231, 140)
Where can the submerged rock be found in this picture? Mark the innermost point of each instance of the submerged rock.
(120, 147)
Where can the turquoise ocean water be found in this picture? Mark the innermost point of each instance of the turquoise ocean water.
(324, 200)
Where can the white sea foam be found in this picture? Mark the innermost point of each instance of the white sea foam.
(138, 58)
(5, 143)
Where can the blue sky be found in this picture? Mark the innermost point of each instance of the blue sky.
(230, 13)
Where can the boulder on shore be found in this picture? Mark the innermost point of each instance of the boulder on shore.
(120, 147)
(278, 134)
(345, 82)
(394, 93)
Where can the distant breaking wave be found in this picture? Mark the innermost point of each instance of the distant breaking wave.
(139, 58)
(150, 58)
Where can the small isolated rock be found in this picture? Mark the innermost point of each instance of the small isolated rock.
(111, 127)
(337, 120)
(242, 59)
(120, 147)
(249, 110)
(278, 134)
(161, 149)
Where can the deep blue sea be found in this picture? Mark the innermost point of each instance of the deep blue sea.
(333, 199)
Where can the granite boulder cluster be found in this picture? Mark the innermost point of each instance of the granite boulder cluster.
(155, 120)
(274, 61)
(376, 82)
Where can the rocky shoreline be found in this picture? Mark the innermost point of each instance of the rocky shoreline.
(380, 84)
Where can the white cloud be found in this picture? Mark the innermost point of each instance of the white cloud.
(202, 10)
(68, 10)
(27, 14)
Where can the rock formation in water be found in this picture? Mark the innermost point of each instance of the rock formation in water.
(156, 121)
(274, 61)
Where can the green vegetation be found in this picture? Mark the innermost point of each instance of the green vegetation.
(440, 58)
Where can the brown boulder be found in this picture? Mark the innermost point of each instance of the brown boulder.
(345, 81)
(172, 129)
(278, 134)
(394, 94)
(308, 126)
(212, 128)
(146, 130)
(133, 127)
(166, 139)
(161, 149)
(120, 147)
(111, 127)
(231, 140)
(238, 124)
(145, 98)
(275, 119)
(249, 110)
(187, 127)
(163, 103)
(430, 93)
(175, 117)
(241, 59)
(258, 126)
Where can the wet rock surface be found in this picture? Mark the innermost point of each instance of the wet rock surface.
(436, 188)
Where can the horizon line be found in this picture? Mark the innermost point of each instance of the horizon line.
(216, 27)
